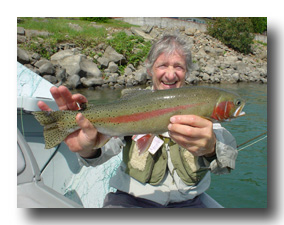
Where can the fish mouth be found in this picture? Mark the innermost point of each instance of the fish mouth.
(239, 111)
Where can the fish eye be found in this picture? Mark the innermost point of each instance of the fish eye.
(238, 102)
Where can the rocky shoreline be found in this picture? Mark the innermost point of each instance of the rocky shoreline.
(213, 62)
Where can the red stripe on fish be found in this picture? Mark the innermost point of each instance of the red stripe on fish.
(145, 115)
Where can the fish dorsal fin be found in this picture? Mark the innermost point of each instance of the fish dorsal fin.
(130, 92)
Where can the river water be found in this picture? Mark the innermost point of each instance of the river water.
(246, 186)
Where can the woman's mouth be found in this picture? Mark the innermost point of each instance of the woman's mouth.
(168, 84)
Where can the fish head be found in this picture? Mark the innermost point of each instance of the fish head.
(228, 107)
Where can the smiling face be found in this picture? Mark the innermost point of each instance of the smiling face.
(168, 71)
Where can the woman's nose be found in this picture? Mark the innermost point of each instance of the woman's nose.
(170, 73)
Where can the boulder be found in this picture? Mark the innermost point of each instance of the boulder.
(72, 64)
(89, 82)
(263, 71)
(41, 62)
(230, 78)
(75, 27)
(22, 56)
(147, 28)
(90, 68)
(113, 68)
(73, 81)
(219, 52)
(263, 80)
(118, 86)
(209, 69)
(190, 31)
(191, 80)
(154, 33)
(231, 60)
(130, 81)
(103, 62)
(34, 33)
(141, 76)
(254, 75)
(127, 71)
(205, 77)
(128, 32)
(121, 80)
(201, 54)
(62, 54)
(93, 24)
(113, 78)
(131, 67)
(50, 78)
(80, 65)
(263, 56)
(194, 67)
(139, 32)
(47, 69)
(21, 39)
(20, 31)
(236, 77)
(60, 74)
(241, 67)
(113, 56)
(36, 56)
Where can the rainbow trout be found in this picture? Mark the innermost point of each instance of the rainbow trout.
(143, 112)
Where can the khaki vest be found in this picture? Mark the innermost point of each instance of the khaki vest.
(148, 168)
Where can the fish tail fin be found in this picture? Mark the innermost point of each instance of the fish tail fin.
(54, 130)
(45, 117)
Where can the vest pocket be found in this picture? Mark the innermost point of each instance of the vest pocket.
(138, 166)
(187, 165)
(148, 168)
(160, 166)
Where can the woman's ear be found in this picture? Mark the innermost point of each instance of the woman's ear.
(149, 72)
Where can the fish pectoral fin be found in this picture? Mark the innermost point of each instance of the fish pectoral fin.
(208, 118)
(104, 139)
(144, 143)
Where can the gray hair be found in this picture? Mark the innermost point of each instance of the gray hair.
(168, 44)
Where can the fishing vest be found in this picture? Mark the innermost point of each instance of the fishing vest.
(148, 168)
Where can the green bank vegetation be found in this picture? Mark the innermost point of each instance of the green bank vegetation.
(87, 36)
(237, 32)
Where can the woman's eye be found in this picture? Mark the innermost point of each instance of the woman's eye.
(179, 68)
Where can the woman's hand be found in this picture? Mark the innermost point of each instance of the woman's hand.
(193, 133)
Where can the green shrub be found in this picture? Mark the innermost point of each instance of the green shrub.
(46, 49)
(235, 32)
(259, 24)
(134, 48)
(96, 19)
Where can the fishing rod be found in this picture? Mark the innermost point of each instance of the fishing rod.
(252, 140)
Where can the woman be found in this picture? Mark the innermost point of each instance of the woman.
(179, 171)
